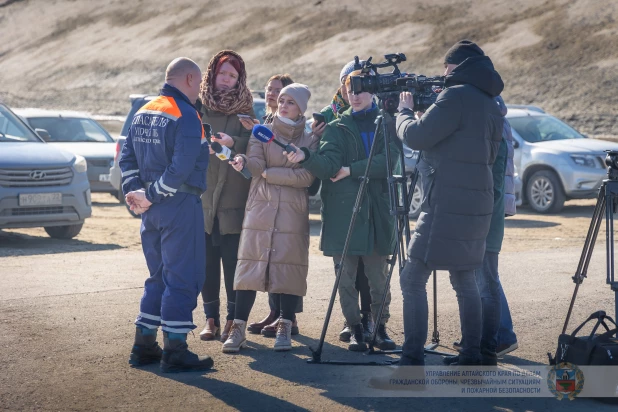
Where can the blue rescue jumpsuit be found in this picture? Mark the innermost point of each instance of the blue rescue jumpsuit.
(166, 153)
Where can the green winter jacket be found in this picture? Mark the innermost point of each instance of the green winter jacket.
(341, 145)
(328, 114)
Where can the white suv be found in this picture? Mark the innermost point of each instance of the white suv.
(556, 163)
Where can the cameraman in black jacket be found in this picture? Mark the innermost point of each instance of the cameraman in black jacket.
(459, 137)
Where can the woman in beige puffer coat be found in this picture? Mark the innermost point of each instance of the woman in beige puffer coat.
(273, 254)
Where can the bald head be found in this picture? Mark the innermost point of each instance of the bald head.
(185, 75)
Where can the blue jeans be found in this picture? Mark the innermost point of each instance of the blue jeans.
(413, 281)
(488, 283)
(506, 335)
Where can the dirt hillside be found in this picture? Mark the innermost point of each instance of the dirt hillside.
(87, 55)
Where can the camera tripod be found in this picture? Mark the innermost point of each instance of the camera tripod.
(607, 203)
(399, 207)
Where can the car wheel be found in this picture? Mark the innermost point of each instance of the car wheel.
(132, 212)
(544, 192)
(64, 232)
(417, 200)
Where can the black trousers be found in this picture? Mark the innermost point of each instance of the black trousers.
(362, 285)
(220, 249)
(246, 298)
(274, 301)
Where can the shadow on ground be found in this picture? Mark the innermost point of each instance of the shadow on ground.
(20, 244)
(528, 224)
(569, 211)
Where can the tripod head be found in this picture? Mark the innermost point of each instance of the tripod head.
(611, 160)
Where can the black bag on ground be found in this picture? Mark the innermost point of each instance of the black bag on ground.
(589, 350)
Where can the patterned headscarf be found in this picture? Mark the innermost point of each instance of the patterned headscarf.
(338, 104)
(230, 101)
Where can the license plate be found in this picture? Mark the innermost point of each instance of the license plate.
(40, 199)
(104, 178)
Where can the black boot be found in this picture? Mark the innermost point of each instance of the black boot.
(145, 350)
(449, 360)
(460, 360)
(357, 340)
(178, 358)
(346, 333)
(488, 358)
(367, 325)
(383, 341)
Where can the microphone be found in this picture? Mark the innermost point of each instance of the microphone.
(226, 154)
(265, 135)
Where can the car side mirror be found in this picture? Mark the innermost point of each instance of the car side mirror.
(515, 144)
(43, 134)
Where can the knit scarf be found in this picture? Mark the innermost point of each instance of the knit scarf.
(229, 101)
(338, 104)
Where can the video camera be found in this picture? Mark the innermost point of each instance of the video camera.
(387, 86)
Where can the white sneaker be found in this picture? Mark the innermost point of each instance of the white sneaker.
(283, 340)
(236, 340)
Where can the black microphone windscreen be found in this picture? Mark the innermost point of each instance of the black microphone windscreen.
(216, 146)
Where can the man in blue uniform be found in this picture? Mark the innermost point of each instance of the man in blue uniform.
(163, 165)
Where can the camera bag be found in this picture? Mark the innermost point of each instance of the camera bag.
(601, 349)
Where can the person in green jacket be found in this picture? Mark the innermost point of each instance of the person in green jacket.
(339, 162)
(338, 105)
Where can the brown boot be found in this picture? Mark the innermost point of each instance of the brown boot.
(226, 330)
(211, 331)
(256, 328)
(270, 331)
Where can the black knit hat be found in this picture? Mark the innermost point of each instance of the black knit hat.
(461, 51)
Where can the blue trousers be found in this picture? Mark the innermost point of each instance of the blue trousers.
(489, 286)
(173, 242)
(506, 335)
(413, 282)
(497, 322)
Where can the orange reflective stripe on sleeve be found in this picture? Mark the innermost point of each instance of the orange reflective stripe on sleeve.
(163, 106)
(200, 119)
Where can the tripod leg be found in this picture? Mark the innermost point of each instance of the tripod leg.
(609, 234)
(387, 286)
(584, 261)
(436, 335)
(317, 354)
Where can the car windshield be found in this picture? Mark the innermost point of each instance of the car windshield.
(534, 129)
(13, 130)
(71, 129)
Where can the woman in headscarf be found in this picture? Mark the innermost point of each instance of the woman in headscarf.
(224, 95)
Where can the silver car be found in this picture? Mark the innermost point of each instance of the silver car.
(555, 162)
(79, 134)
(40, 185)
